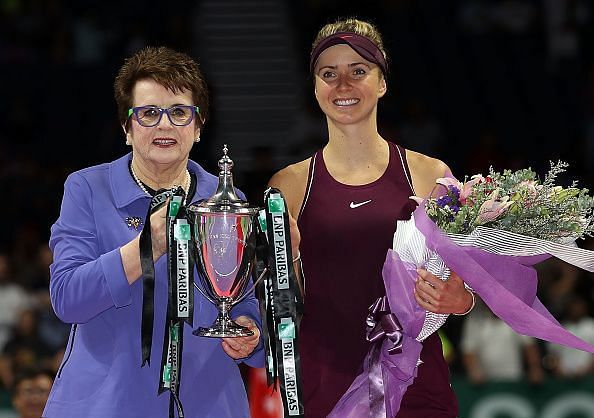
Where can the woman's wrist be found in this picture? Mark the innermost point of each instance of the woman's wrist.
(298, 257)
(129, 254)
(471, 304)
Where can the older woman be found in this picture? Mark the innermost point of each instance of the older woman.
(346, 199)
(96, 275)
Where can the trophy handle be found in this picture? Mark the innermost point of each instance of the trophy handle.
(254, 284)
(204, 294)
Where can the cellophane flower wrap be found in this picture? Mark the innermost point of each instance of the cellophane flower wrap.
(491, 230)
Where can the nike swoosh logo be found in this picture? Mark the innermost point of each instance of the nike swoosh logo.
(354, 205)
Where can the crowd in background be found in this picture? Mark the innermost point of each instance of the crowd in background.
(474, 82)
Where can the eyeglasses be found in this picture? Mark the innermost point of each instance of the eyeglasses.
(179, 115)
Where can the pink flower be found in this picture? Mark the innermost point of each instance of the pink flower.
(493, 208)
(449, 181)
(529, 186)
(466, 189)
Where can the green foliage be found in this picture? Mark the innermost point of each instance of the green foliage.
(517, 202)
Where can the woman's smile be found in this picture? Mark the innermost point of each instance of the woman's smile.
(346, 102)
(164, 142)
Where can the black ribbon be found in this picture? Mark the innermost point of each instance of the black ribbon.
(265, 295)
(281, 303)
(178, 251)
(175, 370)
(180, 265)
(148, 276)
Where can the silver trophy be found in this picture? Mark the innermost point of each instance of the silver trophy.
(225, 240)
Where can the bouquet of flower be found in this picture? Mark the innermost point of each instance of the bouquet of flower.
(516, 202)
(491, 230)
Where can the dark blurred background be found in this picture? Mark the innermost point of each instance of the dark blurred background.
(507, 83)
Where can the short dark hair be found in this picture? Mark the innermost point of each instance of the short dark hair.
(29, 373)
(174, 70)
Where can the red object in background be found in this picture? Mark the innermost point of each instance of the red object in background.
(264, 403)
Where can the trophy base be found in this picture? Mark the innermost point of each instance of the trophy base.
(224, 330)
(224, 326)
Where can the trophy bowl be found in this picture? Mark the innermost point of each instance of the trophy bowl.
(225, 244)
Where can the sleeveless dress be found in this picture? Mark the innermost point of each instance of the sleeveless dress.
(345, 234)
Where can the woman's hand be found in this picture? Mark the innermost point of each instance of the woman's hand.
(158, 235)
(443, 297)
(242, 347)
(131, 251)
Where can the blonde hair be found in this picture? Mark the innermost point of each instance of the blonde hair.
(360, 27)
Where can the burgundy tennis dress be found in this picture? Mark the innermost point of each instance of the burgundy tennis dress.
(345, 234)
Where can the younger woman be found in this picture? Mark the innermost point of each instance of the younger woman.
(346, 199)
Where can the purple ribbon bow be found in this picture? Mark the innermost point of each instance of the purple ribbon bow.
(378, 391)
(381, 322)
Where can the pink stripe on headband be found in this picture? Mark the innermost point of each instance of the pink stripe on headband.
(360, 44)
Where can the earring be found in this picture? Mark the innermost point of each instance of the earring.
(197, 139)
(128, 140)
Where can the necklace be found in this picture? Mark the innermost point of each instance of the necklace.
(185, 186)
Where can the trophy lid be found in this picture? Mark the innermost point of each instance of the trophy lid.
(225, 199)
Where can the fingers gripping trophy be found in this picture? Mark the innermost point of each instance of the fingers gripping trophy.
(225, 243)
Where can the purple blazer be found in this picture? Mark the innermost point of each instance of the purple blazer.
(100, 375)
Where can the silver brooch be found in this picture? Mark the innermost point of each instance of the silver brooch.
(133, 222)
